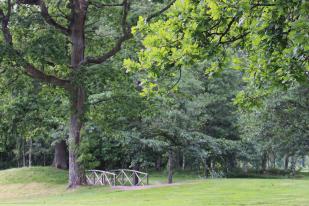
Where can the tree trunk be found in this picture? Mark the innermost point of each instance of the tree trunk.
(245, 166)
(293, 165)
(183, 161)
(30, 153)
(77, 28)
(264, 162)
(170, 166)
(286, 163)
(60, 155)
(158, 163)
(24, 154)
(206, 168)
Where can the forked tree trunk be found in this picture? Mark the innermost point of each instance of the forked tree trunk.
(60, 155)
(170, 166)
(77, 28)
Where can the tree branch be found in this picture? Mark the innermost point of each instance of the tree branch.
(126, 33)
(29, 69)
(5, 21)
(158, 13)
(102, 5)
(47, 17)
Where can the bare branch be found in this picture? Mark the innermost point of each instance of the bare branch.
(261, 5)
(235, 38)
(158, 13)
(228, 27)
(126, 33)
(44, 12)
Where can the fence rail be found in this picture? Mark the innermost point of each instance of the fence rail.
(99, 177)
(122, 177)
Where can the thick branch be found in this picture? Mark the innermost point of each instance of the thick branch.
(44, 12)
(38, 74)
(29, 69)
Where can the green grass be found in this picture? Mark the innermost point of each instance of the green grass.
(189, 192)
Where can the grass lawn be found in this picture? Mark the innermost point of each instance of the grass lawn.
(46, 186)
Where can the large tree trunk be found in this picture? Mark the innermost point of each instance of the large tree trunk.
(77, 27)
(60, 156)
(170, 166)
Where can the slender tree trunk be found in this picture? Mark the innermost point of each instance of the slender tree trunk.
(24, 153)
(30, 153)
(286, 163)
(293, 165)
(60, 155)
(183, 161)
(245, 167)
(77, 27)
(158, 163)
(170, 166)
(264, 162)
(206, 168)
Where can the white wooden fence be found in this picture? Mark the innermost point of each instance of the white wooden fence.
(99, 177)
(117, 177)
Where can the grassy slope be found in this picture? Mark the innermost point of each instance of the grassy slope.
(193, 193)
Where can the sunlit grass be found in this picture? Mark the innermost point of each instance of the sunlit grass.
(187, 192)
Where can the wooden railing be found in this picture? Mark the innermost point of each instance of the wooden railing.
(131, 177)
(122, 177)
(99, 177)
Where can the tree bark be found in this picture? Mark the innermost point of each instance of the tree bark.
(60, 156)
(77, 29)
(170, 166)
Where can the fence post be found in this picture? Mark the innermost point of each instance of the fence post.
(147, 179)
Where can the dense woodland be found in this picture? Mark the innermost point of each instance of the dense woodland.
(219, 88)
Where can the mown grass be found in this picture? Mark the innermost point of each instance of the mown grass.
(189, 192)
